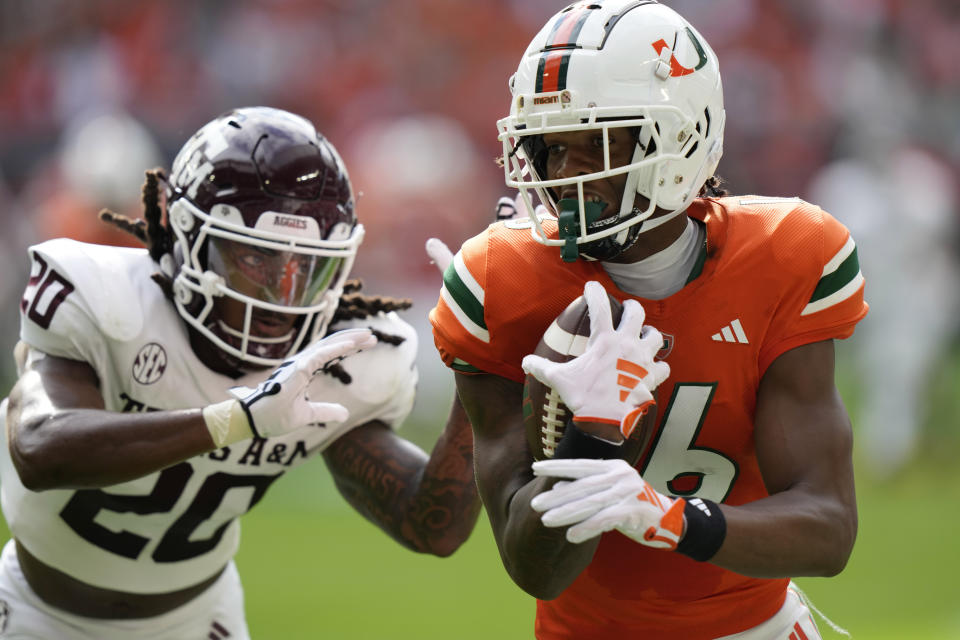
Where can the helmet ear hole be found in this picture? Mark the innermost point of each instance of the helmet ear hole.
(182, 293)
(693, 147)
(181, 217)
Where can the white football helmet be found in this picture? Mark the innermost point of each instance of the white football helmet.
(605, 64)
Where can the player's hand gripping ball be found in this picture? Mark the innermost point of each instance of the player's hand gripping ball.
(545, 414)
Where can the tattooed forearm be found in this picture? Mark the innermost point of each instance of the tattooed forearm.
(427, 504)
(445, 507)
(365, 479)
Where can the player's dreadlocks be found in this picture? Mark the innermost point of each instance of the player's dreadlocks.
(158, 238)
(712, 188)
(150, 230)
(356, 306)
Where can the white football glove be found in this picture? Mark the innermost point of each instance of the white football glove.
(613, 380)
(508, 209)
(607, 495)
(279, 404)
(505, 209)
(439, 253)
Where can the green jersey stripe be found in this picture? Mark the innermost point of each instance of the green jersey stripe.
(464, 295)
(476, 330)
(467, 278)
(840, 270)
(464, 291)
(848, 247)
(464, 367)
(841, 278)
(837, 280)
(837, 297)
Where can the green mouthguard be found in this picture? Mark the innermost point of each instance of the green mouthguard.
(568, 218)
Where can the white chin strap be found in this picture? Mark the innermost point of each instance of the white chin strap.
(652, 223)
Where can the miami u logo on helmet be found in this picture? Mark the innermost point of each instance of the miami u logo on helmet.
(677, 69)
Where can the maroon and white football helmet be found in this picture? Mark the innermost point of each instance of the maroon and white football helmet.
(262, 212)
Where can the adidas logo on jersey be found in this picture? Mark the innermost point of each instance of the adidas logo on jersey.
(733, 332)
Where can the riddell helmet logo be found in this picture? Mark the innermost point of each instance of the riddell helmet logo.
(677, 69)
(547, 100)
(288, 221)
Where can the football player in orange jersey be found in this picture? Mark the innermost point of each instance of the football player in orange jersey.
(616, 123)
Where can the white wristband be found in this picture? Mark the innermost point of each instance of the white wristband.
(227, 423)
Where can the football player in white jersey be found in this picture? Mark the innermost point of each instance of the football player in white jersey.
(163, 391)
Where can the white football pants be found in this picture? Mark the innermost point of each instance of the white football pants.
(791, 622)
(215, 614)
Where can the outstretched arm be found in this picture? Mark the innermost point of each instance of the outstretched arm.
(426, 503)
(540, 560)
(61, 436)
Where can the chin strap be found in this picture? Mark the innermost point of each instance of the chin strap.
(568, 221)
(653, 223)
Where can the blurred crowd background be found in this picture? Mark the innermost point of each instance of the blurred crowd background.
(854, 105)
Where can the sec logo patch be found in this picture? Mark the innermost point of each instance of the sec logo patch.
(150, 363)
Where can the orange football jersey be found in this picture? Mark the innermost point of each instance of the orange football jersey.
(774, 274)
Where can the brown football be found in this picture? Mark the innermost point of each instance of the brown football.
(544, 414)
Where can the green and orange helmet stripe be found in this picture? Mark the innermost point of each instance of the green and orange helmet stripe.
(555, 58)
(562, 41)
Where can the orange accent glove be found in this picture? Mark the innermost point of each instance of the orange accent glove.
(613, 380)
(605, 495)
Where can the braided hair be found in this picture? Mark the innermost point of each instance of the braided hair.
(712, 188)
(151, 229)
(157, 236)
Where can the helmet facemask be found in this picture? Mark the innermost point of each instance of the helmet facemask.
(582, 230)
(287, 288)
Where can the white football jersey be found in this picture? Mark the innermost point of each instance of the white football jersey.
(174, 528)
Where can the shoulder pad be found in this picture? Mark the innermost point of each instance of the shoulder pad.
(386, 323)
(384, 377)
(103, 281)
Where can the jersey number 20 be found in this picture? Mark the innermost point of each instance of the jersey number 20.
(176, 544)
